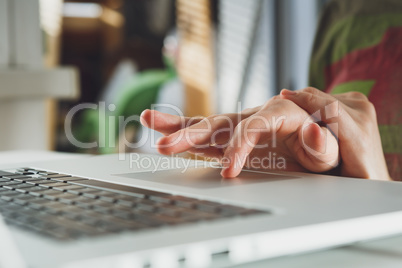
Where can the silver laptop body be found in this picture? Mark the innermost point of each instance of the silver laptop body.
(297, 213)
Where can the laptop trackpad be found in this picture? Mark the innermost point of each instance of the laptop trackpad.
(200, 177)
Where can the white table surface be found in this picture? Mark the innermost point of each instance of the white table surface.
(385, 252)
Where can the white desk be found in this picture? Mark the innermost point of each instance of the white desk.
(386, 252)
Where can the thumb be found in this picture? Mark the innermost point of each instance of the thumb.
(313, 138)
(320, 148)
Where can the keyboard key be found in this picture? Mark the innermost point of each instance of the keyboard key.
(67, 198)
(89, 190)
(32, 170)
(25, 179)
(9, 187)
(8, 192)
(69, 179)
(69, 187)
(40, 182)
(4, 173)
(23, 169)
(184, 202)
(9, 206)
(72, 215)
(51, 192)
(170, 211)
(23, 200)
(123, 214)
(51, 197)
(22, 186)
(207, 207)
(13, 175)
(44, 173)
(10, 196)
(75, 191)
(102, 206)
(128, 202)
(91, 193)
(84, 202)
(147, 206)
(91, 221)
(36, 190)
(57, 184)
(149, 220)
(118, 207)
(55, 176)
(7, 183)
(107, 196)
(161, 199)
(37, 204)
(54, 208)
(24, 172)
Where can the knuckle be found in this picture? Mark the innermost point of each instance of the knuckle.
(368, 107)
(269, 102)
(357, 95)
(222, 120)
(278, 102)
(310, 98)
(205, 121)
(365, 111)
(247, 111)
(333, 109)
(247, 123)
(194, 120)
(311, 90)
(251, 123)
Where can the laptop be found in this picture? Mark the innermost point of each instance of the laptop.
(142, 210)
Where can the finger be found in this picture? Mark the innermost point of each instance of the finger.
(318, 150)
(313, 137)
(323, 107)
(241, 145)
(277, 119)
(352, 95)
(310, 102)
(165, 123)
(215, 129)
(352, 100)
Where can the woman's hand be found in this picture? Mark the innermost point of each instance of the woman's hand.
(276, 135)
(355, 123)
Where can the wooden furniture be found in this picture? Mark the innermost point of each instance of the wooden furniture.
(195, 62)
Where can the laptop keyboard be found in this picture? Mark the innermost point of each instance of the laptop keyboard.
(65, 207)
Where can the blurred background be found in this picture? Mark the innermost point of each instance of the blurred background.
(116, 58)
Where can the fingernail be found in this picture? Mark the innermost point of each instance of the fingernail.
(225, 162)
(223, 172)
(158, 141)
(318, 132)
(288, 92)
(143, 112)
